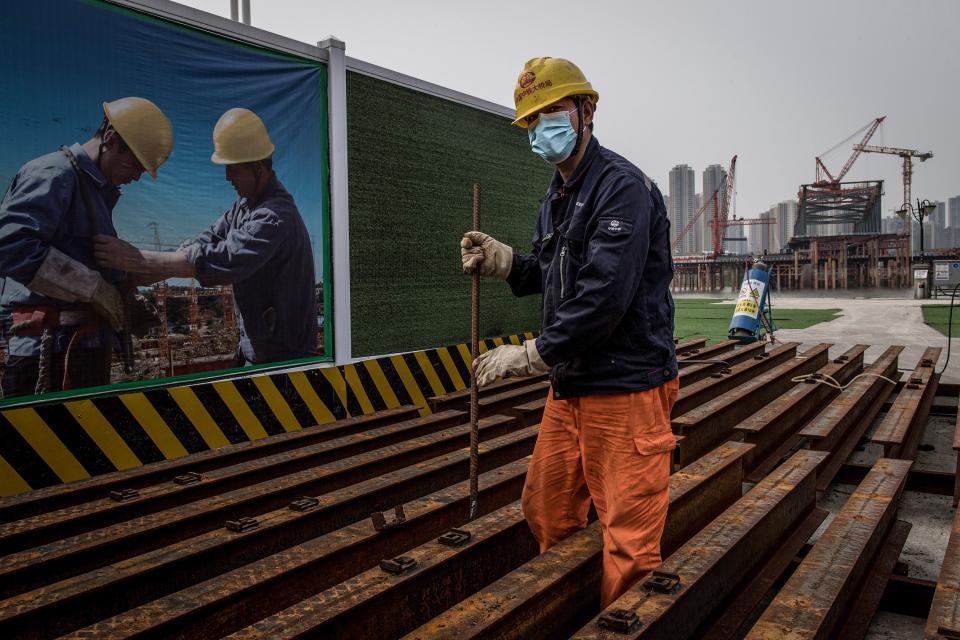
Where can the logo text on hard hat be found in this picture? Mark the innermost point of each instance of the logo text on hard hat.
(533, 89)
(527, 79)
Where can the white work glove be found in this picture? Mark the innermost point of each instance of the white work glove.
(478, 251)
(64, 278)
(509, 361)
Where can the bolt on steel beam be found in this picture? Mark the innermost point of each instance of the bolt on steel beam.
(31, 568)
(95, 514)
(714, 565)
(838, 428)
(818, 597)
(772, 429)
(903, 426)
(65, 495)
(712, 423)
(719, 383)
(560, 588)
(696, 370)
(685, 348)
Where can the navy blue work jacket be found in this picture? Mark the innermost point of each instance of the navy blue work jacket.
(263, 250)
(44, 208)
(601, 259)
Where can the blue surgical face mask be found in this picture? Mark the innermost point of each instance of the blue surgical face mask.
(553, 137)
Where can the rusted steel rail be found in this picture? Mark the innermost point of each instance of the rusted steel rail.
(708, 425)
(943, 620)
(838, 428)
(956, 447)
(707, 353)
(65, 495)
(500, 402)
(836, 589)
(42, 528)
(212, 579)
(707, 573)
(694, 371)
(67, 557)
(690, 346)
(567, 577)
(772, 429)
(903, 426)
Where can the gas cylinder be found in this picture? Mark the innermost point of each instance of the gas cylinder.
(745, 323)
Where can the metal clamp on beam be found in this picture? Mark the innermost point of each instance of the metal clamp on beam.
(398, 565)
(619, 620)
(813, 377)
(380, 522)
(304, 504)
(123, 495)
(927, 362)
(190, 477)
(454, 537)
(663, 582)
(242, 524)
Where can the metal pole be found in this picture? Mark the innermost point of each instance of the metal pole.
(246, 11)
(474, 352)
(235, 10)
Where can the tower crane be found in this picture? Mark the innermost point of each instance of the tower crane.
(719, 203)
(907, 154)
(824, 177)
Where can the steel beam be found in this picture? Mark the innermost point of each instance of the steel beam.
(460, 400)
(715, 351)
(560, 588)
(128, 598)
(943, 620)
(903, 426)
(710, 424)
(695, 371)
(96, 514)
(70, 556)
(815, 600)
(721, 382)
(838, 428)
(772, 429)
(714, 565)
(685, 348)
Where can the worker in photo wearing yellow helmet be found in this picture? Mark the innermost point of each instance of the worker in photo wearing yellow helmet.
(58, 310)
(260, 246)
(601, 260)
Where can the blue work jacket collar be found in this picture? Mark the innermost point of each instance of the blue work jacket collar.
(557, 185)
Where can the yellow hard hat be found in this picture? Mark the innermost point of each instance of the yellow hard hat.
(240, 136)
(143, 128)
(543, 81)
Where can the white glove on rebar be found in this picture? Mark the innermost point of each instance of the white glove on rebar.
(64, 278)
(509, 361)
(483, 252)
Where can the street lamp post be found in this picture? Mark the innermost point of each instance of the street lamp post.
(922, 211)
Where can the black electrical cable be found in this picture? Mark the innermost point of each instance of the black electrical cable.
(950, 329)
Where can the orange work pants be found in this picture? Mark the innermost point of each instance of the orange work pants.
(617, 450)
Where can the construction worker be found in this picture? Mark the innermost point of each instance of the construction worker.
(60, 312)
(260, 246)
(601, 260)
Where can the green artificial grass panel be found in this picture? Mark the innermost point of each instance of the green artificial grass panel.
(938, 316)
(704, 318)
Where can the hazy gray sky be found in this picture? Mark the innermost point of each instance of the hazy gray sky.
(691, 82)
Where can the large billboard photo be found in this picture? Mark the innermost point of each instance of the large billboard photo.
(165, 205)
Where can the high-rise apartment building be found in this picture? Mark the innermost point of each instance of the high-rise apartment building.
(784, 215)
(953, 212)
(714, 179)
(682, 200)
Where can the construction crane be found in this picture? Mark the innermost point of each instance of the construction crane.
(824, 177)
(720, 211)
(907, 154)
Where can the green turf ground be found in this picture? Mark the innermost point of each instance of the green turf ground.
(938, 315)
(704, 318)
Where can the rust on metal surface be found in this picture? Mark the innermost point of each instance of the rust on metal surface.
(712, 387)
(718, 560)
(695, 371)
(903, 426)
(811, 603)
(772, 428)
(712, 423)
(684, 348)
(945, 610)
(716, 351)
(561, 587)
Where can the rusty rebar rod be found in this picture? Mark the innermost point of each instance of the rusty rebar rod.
(474, 352)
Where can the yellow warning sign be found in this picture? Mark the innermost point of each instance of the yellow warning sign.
(747, 306)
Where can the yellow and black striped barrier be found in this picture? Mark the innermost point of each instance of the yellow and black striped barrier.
(51, 443)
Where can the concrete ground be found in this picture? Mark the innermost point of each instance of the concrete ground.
(882, 323)
(877, 322)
